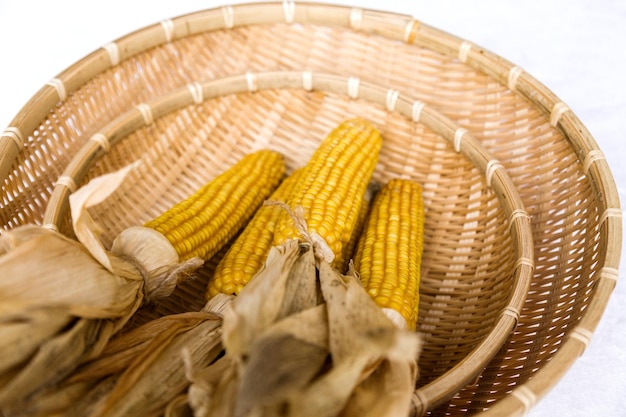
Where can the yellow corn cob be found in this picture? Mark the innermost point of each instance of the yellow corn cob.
(249, 251)
(203, 223)
(389, 253)
(333, 184)
(343, 260)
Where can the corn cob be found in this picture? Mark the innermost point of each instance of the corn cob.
(347, 254)
(333, 184)
(389, 253)
(248, 252)
(203, 223)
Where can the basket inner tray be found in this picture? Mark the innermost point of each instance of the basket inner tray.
(477, 261)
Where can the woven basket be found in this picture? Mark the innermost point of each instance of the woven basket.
(553, 162)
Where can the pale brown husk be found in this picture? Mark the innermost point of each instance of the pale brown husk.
(62, 300)
(303, 339)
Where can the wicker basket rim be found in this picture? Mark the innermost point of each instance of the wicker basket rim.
(405, 29)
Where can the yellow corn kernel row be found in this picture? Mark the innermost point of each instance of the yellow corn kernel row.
(202, 224)
(333, 184)
(248, 252)
(389, 253)
(347, 254)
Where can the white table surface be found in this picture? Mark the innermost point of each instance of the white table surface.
(576, 48)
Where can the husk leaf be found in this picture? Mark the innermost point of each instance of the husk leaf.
(361, 338)
(54, 360)
(213, 391)
(316, 349)
(87, 292)
(21, 336)
(251, 313)
(253, 339)
(136, 391)
(286, 358)
(86, 229)
(396, 379)
(51, 271)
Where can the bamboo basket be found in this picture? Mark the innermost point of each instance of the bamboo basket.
(561, 176)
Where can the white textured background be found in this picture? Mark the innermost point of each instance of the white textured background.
(575, 48)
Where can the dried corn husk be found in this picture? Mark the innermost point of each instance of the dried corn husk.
(258, 336)
(190, 341)
(365, 347)
(132, 362)
(121, 380)
(290, 352)
(62, 300)
(320, 347)
(270, 296)
(157, 375)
